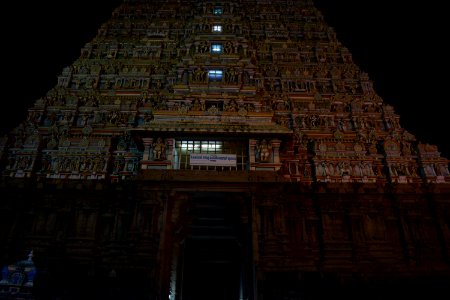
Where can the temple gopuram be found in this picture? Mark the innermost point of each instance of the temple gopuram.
(226, 150)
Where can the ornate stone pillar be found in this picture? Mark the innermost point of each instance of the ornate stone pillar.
(147, 148)
(252, 152)
(275, 150)
(170, 148)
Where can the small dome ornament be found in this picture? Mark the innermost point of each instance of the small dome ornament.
(18, 278)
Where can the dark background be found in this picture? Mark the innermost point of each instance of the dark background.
(400, 45)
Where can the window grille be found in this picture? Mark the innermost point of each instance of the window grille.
(183, 149)
(215, 75)
(216, 49)
(217, 28)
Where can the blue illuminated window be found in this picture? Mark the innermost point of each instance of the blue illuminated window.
(217, 11)
(216, 49)
(217, 28)
(215, 75)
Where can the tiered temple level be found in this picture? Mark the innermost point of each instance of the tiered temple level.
(265, 72)
(188, 126)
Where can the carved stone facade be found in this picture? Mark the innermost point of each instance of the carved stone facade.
(324, 186)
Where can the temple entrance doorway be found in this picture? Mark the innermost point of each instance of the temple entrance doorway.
(215, 252)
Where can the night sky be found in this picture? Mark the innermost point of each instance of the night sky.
(401, 47)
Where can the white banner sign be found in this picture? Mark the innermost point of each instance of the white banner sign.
(224, 160)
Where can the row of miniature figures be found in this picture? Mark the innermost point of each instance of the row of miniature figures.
(263, 153)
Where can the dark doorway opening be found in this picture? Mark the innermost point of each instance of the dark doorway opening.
(214, 257)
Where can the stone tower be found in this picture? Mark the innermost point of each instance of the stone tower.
(226, 150)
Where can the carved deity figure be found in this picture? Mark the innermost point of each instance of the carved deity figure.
(263, 151)
(159, 149)
(344, 168)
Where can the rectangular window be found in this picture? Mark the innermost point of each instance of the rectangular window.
(215, 75)
(217, 11)
(217, 28)
(216, 49)
(234, 149)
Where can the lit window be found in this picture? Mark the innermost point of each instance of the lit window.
(217, 28)
(215, 75)
(216, 48)
(217, 11)
(185, 148)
